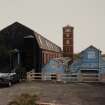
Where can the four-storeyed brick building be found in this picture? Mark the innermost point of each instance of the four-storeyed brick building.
(32, 50)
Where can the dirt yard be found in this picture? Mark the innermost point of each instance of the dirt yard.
(69, 94)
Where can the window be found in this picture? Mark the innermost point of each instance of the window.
(67, 35)
(40, 40)
(68, 49)
(64, 49)
(47, 44)
(68, 30)
(51, 46)
(91, 54)
(71, 49)
(44, 58)
(67, 41)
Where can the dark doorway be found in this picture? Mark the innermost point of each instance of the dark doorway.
(28, 53)
(89, 71)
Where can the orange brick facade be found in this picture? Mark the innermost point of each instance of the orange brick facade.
(47, 55)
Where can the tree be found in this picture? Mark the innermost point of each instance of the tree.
(76, 56)
(24, 99)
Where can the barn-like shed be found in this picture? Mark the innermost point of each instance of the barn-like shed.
(29, 48)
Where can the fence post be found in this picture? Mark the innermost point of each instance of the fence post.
(28, 76)
(59, 77)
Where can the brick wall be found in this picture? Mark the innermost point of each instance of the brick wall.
(47, 55)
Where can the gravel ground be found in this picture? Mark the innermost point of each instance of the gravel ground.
(69, 94)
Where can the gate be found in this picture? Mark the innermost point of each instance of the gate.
(89, 76)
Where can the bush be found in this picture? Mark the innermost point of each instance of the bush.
(21, 71)
(24, 99)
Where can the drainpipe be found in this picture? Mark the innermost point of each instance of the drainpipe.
(18, 57)
(99, 64)
(10, 61)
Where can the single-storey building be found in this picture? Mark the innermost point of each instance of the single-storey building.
(56, 67)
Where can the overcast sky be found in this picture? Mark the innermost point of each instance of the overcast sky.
(49, 16)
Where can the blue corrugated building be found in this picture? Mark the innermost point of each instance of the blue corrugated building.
(90, 65)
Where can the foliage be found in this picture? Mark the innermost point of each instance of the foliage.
(76, 56)
(21, 71)
(24, 99)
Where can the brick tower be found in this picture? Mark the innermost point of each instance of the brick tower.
(68, 41)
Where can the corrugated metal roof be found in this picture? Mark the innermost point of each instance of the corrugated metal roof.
(28, 33)
(46, 44)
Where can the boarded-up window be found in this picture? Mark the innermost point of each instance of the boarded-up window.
(91, 54)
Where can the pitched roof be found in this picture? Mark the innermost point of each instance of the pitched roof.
(91, 46)
(42, 41)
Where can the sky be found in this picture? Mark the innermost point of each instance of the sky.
(47, 17)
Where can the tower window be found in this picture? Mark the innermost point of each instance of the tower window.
(67, 35)
(67, 41)
(68, 30)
